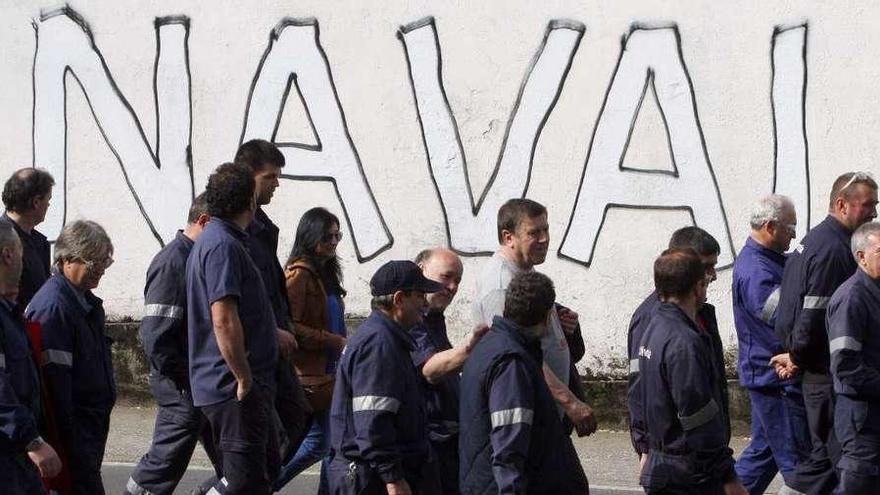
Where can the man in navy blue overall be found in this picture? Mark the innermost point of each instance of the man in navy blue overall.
(513, 440)
(233, 346)
(26, 196)
(77, 363)
(163, 331)
(292, 409)
(440, 363)
(378, 423)
(24, 456)
(853, 322)
(812, 273)
(780, 438)
(708, 249)
(682, 392)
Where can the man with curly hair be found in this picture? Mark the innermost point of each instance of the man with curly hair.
(233, 346)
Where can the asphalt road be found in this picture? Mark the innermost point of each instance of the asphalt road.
(116, 475)
(606, 456)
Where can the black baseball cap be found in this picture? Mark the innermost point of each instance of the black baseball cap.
(401, 275)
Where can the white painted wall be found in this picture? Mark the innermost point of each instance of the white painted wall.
(626, 120)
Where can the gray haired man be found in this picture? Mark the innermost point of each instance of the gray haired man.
(780, 439)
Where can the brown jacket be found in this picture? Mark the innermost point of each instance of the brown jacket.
(308, 310)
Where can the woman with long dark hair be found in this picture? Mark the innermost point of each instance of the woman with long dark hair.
(315, 292)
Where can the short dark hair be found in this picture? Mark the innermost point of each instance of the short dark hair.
(677, 272)
(843, 186)
(257, 153)
(24, 186)
(514, 211)
(230, 190)
(695, 238)
(198, 208)
(530, 295)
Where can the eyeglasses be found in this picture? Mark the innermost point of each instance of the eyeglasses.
(93, 266)
(332, 236)
(856, 177)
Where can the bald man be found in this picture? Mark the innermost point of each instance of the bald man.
(440, 363)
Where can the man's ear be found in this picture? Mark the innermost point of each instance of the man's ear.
(506, 235)
(397, 298)
(5, 254)
(203, 219)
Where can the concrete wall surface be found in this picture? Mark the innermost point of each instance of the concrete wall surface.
(415, 120)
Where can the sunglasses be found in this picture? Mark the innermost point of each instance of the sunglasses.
(856, 177)
(332, 236)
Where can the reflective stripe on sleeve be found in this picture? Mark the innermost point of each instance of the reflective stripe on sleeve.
(55, 356)
(507, 417)
(770, 306)
(699, 418)
(374, 403)
(135, 489)
(816, 302)
(841, 343)
(633, 366)
(164, 311)
(2, 361)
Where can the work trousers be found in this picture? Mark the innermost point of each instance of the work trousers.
(246, 443)
(816, 475)
(179, 426)
(354, 478)
(447, 465)
(780, 437)
(857, 429)
(19, 475)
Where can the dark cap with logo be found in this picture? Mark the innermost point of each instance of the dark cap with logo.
(401, 275)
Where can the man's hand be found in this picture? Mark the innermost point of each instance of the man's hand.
(286, 343)
(244, 388)
(735, 488)
(643, 459)
(46, 460)
(399, 487)
(581, 416)
(568, 319)
(476, 335)
(783, 365)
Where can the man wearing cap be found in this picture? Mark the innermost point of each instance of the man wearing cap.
(378, 423)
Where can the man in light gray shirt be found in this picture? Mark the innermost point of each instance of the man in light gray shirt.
(524, 237)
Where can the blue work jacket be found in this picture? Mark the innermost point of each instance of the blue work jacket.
(19, 384)
(757, 276)
(378, 418)
(853, 322)
(812, 273)
(638, 325)
(441, 398)
(512, 440)
(262, 245)
(163, 327)
(683, 406)
(77, 365)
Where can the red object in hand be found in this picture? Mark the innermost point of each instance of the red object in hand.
(60, 483)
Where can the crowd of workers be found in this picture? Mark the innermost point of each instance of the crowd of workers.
(253, 359)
